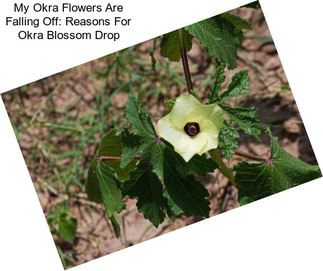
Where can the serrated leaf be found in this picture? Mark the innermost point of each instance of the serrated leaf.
(214, 95)
(145, 186)
(170, 46)
(239, 86)
(130, 147)
(245, 118)
(67, 229)
(147, 144)
(281, 171)
(139, 119)
(110, 188)
(228, 140)
(238, 23)
(188, 194)
(218, 38)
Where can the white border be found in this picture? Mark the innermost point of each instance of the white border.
(281, 232)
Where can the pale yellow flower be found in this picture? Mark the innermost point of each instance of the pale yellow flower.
(191, 127)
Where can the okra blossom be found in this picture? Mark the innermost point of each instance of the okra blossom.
(191, 127)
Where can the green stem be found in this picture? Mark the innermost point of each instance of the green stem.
(185, 63)
(227, 172)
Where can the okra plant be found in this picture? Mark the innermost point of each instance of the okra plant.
(156, 166)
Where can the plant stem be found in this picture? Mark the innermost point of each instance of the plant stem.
(109, 158)
(227, 172)
(250, 156)
(185, 63)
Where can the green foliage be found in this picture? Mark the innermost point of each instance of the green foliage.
(145, 186)
(67, 229)
(155, 199)
(227, 140)
(235, 23)
(61, 223)
(201, 165)
(281, 171)
(110, 188)
(92, 187)
(170, 46)
(111, 146)
(103, 186)
(130, 147)
(213, 95)
(239, 86)
(221, 36)
(144, 141)
(116, 222)
(244, 118)
(139, 119)
(184, 192)
(219, 40)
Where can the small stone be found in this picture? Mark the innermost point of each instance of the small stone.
(292, 126)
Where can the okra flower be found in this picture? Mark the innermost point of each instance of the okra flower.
(191, 127)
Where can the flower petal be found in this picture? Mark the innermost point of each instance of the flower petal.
(177, 138)
(198, 145)
(211, 112)
(183, 105)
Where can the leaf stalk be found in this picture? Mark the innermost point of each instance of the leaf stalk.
(227, 172)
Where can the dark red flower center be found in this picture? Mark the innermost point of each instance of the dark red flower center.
(192, 128)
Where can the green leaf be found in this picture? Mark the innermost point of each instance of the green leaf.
(239, 86)
(67, 229)
(174, 208)
(218, 38)
(228, 140)
(214, 95)
(245, 118)
(238, 23)
(170, 46)
(92, 183)
(202, 165)
(116, 222)
(145, 186)
(157, 158)
(140, 119)
(281, 171)
(186, 193)
(130, 147)
(145, 143)
(110, 188)
(111, 145)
